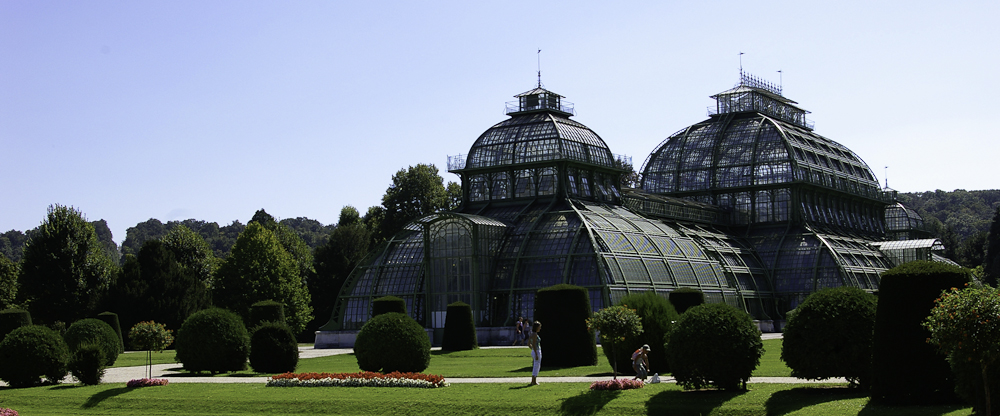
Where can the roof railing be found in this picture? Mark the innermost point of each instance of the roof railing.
(516, 107)
(456, 162)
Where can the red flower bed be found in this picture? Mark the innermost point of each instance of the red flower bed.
(434, 379)
(619, 384)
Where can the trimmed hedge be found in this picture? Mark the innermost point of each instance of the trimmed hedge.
(87, 364)
(273, 349)
(111, 319)
(31, 352)
(387, 304)
(213, 340)
(830, 335)
(906, 369)
(686, 298)
(563, 311)
(657, 316)
(11, 319)
(93, 331)
(714, 345)
(459, 328)
(266, 311)
(392, 342)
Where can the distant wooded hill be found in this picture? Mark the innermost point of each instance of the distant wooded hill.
(960, 218)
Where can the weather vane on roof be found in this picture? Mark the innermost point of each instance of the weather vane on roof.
(539, 68)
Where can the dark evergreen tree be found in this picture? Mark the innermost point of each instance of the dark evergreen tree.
(992, 260)
(155, 286)
(334, 261)
(8, 282)
(66, 270)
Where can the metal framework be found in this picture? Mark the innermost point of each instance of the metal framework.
(749, 206)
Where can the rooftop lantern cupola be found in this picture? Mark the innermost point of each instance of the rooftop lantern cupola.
(539, 99)
(753, 94)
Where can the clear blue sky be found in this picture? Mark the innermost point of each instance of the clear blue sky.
(212, 110)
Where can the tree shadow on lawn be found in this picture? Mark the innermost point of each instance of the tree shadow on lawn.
(688, 402)
(788, 401)
(587, 403)
(97, 398)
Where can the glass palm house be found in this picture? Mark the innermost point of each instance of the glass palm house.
(749, 206)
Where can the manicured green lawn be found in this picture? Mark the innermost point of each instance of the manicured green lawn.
(490, 399)
(500, 362)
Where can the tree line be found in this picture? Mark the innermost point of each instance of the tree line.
(66, 270)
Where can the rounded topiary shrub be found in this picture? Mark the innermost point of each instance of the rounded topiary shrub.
(31, 352)
(94, 331)
(905, 368)
(657, 315)
(86, 363)
(213, 340)
(714, 345)
(111, 319)
(567, 341)
(388, 304)
(266, 311)
(686, 298)
(392, 342)
(830, 335)
(11, 319)
(459, 329)
(273, 349)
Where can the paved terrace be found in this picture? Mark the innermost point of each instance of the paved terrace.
(173, 373)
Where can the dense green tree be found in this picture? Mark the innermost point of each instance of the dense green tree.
(348, 216)
(151, 229)
(259, 269)
(8, 282)
(290, 241)
(373, 221)
(65, 270)
(414, 192)
(107, 240)
(312, 232)
(334, 261)
(157, 286)
(972, 251)
(992, 261)
(12, 245)
(192, 252)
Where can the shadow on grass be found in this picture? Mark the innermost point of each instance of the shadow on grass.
(692, 402)
(788, 401)
(878, 409)
(588, 403)
(96, 399)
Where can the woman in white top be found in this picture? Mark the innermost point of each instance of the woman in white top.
(535, 343)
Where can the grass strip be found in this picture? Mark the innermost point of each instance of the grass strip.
(487, 399)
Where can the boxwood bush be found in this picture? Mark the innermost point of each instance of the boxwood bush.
(388, 304)
(657, 316)
(830, 335)
(31, 352)
(266, 311)
(273, 349)
(686, 298)
(563, 311)
(97, 332)
(11, 319)
(459, 329)
(714, 345)
(392, 342)
(87, 364)
(213, 340)
(906, 369)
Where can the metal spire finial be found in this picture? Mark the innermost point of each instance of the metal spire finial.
(539, 68)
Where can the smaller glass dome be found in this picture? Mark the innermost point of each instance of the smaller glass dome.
(539, 130)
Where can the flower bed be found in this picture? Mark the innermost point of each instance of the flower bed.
(146, 382)
(7, 412)
(620, 384)
(360, 379)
